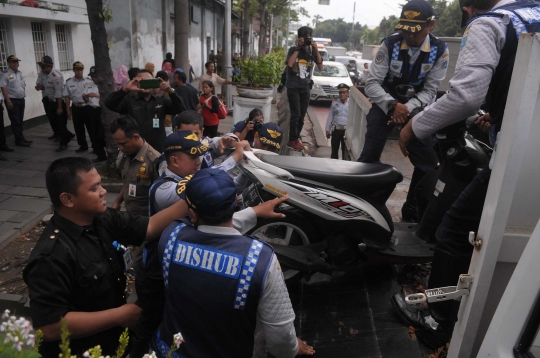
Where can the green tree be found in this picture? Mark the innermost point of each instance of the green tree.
(449, 23)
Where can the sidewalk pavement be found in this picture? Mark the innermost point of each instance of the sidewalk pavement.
(23, 196)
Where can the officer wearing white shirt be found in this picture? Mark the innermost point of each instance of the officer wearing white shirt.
(413, 57)
(93, 123)
(13, 89)
(2, 136)
(336, 122)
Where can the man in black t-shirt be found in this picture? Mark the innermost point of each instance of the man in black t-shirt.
(189, 95)
(300, 60)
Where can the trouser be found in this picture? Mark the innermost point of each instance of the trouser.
(94, 126)
(58, 122)
(338, 138)
(16, 117)
(2, 134)
(298, 105)
(210, 131)
(453, 251)
(421, 152)
(79, 114)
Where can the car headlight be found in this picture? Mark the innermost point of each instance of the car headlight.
(316, 86)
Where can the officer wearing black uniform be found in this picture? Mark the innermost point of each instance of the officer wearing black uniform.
(414, 58)
(76, 270)
(336, 122)
(51, 82)
(488, 52)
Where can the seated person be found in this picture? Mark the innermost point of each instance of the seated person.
(246, 129)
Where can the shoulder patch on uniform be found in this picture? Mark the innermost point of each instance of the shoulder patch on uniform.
(205, 141)
(166, 185)
(380, 57)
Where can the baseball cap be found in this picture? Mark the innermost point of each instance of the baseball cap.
(45, 61)
(78, 64)
(12, 58)
(186, 142)
(93, 71)
(415, 16)
(271, 134)
(343, 87)
(211, 192)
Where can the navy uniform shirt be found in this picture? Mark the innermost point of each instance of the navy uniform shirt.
(76, 269)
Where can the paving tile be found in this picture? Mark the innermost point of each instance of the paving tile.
(4, 197)
(37, 182)
(20, 172)
(28, 150)
(31, 165)
(17, 155)
(8, 233)
(8, 164)
(15, 180)
(28, 191)
(24, 204)
(20, 216)
(7, 214)
(3, 188)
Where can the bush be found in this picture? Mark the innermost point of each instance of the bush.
(262, 71)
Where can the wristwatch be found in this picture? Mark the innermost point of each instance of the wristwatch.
(392, 107)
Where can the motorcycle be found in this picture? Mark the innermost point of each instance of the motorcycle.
(336, 214)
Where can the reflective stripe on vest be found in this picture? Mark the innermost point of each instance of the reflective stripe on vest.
(247, 274)
(168, 253)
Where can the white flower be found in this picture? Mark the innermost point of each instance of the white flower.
(18, 346)
(5, 315)
(9, 338)
(153, 355)
(178, 340)
(86, 354)
(31, 340)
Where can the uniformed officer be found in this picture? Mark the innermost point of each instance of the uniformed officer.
(2, 135)
(50, 82)
(236, 281)
(76, 271)
(414, 58)
(73, 94)
(13, 89)
(93, 123)
(137, 162)
(337, 121)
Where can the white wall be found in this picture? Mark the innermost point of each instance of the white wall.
(21, 44)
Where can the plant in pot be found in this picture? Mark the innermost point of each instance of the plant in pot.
(258, 75)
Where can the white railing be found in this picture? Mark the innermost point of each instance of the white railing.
(355, 134)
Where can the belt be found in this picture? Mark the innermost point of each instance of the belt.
(340, 128)
(94, 107)
(78, 104)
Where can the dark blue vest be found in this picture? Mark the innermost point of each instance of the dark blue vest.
(213, 284)
(525, 18)
(402, 72)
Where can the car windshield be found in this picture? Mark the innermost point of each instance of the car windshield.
(331, 71)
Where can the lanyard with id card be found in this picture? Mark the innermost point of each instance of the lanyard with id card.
(127, 256)
(155, 121)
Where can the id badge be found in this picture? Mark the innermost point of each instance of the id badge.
(132, 190)
(128, 259)
(156, 122)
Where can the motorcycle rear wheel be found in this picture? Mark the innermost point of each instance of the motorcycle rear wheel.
(284, 232)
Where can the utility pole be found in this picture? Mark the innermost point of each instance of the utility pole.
(181, 34)
(271, 30)
(227, 50)
(288, 27)
(354, 10)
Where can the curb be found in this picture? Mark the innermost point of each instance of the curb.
(320, 136)
(25, 227)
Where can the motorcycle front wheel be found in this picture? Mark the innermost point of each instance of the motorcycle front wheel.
(286, 232)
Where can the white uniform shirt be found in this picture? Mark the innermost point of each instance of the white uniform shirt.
(91, 87)
(378, 71)
(53, 84)
(480, 53)
(14, 82)
(337, 115)
(75, 88)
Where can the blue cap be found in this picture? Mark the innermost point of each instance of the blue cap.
(211, 192)
(415, 16)
(186, 142)
(45, 61)
(270, 134)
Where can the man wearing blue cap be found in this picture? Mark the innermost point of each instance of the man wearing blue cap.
(218, 283)
(336, 123)
(413, 57)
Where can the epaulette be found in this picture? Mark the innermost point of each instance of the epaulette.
(49, 238)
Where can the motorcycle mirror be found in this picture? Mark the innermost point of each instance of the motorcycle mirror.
(352, 74)
(405, 91)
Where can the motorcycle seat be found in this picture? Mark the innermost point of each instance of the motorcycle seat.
(349, 176)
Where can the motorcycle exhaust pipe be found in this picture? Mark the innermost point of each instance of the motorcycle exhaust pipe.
(302, 258)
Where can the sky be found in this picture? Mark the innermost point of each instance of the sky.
(368, 12)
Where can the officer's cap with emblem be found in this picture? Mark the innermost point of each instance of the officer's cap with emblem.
(78, 64)
(45, 61)
(186, 142)
(12, 58)
(93, 71)
(271, 134)
(211, 192)
(342, 87)
(415, 16)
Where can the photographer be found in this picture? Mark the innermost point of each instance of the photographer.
(300, 60)
(245, 130)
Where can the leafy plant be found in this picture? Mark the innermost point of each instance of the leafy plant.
(262, 71)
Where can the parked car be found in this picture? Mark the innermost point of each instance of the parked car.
(325, 81)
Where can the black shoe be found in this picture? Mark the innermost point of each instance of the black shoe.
(99, 159)
(57, 139)
(20, 143)
(2, 158)
(410, 315)
(62, 148)
(54, 136)
(27, 141)
(5, 148)
(81, 149)
(71, 135)
(409, 213)
(435, 338)
(93, 151)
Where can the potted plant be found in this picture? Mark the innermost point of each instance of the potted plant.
(258, 75)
